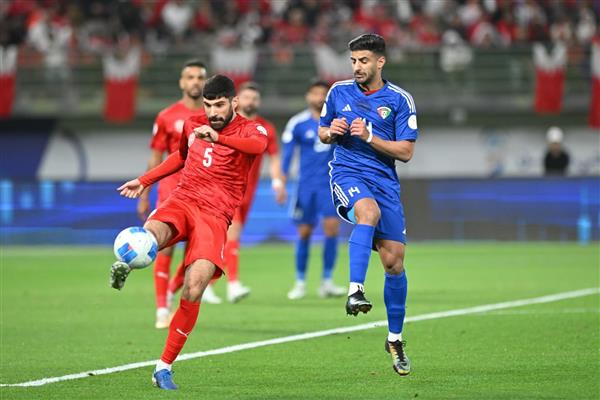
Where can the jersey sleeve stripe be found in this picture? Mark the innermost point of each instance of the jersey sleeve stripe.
(406, 95)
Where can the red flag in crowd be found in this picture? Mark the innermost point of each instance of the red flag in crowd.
(120, 85)
(549, 77)
(594, 117)
(8, 76)
(332, 66)
(237, 63)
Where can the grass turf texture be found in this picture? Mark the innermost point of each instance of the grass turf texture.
(59, 317)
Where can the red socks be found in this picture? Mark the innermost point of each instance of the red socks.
(161, 279)
(232, 259)
(181, 326)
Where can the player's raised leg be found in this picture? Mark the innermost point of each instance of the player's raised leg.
(394, 293)
(366, 216)
(197, 278)
(120, 270)
(331, 228)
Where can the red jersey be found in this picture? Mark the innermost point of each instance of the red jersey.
(272, 148)
(215, 175)
(166, 135)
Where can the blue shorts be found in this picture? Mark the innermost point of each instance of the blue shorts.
(347, 190)
(311, 203)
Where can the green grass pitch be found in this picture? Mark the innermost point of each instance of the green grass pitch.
(58, 316)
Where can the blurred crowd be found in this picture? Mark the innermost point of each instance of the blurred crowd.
(161, 25)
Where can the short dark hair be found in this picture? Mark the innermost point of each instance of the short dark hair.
(194, 62)
(218, 86)
(368, 41)
(316, 82)
(250, 85)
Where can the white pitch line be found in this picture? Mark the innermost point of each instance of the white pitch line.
(312, 335)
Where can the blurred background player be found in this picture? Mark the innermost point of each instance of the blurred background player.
(556, 159)
(166, 133)
(374, 123)
(248, 105)
(312, 199)
(215, 155)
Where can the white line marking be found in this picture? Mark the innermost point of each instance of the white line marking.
(312, 335)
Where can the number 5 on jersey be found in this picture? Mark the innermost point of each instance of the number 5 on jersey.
(207, 161)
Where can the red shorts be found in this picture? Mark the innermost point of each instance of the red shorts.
(241, 213)
(166, 187)
(205, 234)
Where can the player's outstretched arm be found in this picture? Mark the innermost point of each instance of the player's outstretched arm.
(172, 164)
(131, 189)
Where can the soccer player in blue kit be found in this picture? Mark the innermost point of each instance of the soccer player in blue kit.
(373, 122)
(312, 199)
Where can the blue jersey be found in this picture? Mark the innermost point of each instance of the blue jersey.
(389, 114)
(302, 131)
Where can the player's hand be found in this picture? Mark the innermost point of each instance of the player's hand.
(206, 133)
(132, 189)
(143, 207)
(359, 128)
(280, 194)
(338, 127)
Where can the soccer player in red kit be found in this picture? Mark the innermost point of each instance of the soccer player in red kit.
(215, 155)
(248, 104)
(166, 135)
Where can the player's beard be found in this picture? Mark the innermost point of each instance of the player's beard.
(249, 110)
(194, 94)
(218, 123)
(365, 78)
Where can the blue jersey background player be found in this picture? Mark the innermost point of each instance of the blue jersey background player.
(312, 199)
(373, 122)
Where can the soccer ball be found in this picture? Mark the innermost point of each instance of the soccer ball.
(136, 247)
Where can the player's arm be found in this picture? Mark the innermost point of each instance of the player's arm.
(134, 188)
(254, 143)
(288, 140)
(400, 149)
(331, 127)
(278, 179)
(175, 162)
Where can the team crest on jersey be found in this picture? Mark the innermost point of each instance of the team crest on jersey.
(261, 129)
(384, 112)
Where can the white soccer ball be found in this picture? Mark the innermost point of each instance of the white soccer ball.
(136, 247)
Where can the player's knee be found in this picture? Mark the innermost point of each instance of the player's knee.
(305, 231)
(368, 215)
(331, 228)
(393, 263)
(192, 292)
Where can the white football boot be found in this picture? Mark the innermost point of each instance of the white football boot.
(298, 291)
(209, 296)
(236, 291)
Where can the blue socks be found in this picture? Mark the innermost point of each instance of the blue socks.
(394, 294)
(329, 256)
(302, 247)
(359, 249)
